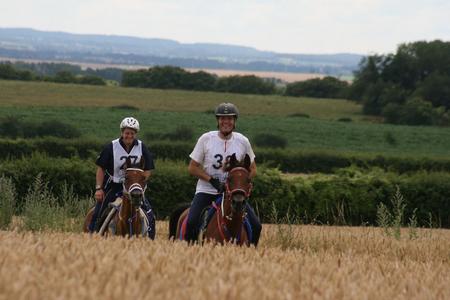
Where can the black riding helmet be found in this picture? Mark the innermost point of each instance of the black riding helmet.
(226, 109)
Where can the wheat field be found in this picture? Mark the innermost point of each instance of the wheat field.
(291, 262)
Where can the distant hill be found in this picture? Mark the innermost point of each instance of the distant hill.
(24, 43)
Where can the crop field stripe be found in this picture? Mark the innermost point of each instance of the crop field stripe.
(19, 93)
(317, 262)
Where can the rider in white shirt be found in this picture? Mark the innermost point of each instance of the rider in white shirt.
(207, 159)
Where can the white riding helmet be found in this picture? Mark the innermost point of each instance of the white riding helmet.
(129, 122)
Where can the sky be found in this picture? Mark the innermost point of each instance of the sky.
(286, 26)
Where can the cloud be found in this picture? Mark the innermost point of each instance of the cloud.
(321, 26)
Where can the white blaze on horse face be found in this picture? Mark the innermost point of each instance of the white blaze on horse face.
(238, 197)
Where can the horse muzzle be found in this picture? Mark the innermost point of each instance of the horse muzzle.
(136, 194)
(238, 201)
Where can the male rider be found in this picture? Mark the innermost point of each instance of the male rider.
(207, 160)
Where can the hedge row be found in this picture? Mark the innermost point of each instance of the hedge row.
(348, 197)
(292, 161)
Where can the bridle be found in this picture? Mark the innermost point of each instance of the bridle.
(230, 191)
(133, 188)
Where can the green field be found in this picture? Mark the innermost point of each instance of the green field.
(19, 93)
(89, 109)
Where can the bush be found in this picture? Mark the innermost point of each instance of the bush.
(181, 133)
(125, 107)
(327, 87)
(14, 127)
(7, 202)
(390, 138)
(415, 112)
(299, 115)
(287, 160)
(46, 210)
(57, 129)
(347, 120)
(270, 140)
(249, 84)
(7, 71)
(91, 80)
(41, 211)
(55, 171)
(351, 196)
(64, 77)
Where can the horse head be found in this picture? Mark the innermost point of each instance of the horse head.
(134, 185)
(238, 186)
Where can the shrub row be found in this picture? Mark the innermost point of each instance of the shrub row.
(349, 197)
(14, 127)
(287, 160)
(169, 77)
(10, 72)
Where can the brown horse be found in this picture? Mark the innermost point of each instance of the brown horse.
(125, 217)
(227, 222)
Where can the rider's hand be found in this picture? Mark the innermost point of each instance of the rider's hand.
(216, 184)
(99, 195)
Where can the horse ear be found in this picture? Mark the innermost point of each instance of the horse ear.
(247, 162)
(127, 162)
(233, 160)
(142, 163)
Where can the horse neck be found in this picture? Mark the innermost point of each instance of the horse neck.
(126, 209)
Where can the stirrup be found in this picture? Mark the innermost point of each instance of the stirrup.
(116, 203)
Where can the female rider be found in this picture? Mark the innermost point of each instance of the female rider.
(110, 172)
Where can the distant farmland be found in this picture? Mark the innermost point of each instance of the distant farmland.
(284, 76)
(305, 122)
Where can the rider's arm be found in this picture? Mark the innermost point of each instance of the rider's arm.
(100, 174)
(252, 170)
(196, 169)
(149, 165)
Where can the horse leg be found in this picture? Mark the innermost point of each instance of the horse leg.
(88, 219)
(244, 238)
(136, 223)
(180, 222)
(255, 224)
(174, 218)
(213, 233)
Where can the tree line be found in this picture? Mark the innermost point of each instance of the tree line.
(170, 77)
(10, 72)
(411, 86)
